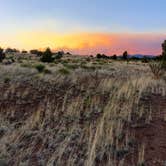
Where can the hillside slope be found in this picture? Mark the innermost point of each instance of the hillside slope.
(85, 118)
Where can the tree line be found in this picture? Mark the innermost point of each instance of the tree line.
(103, 56)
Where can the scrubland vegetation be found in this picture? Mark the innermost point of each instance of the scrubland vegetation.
(60, 109)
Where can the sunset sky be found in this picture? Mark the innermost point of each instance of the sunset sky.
(84, 26)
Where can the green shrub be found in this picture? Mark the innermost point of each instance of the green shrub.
(40, 68)
(47, 56)
(64, 71)
(64, 61)
(7, 80)
(59, 55)
(47, 71)
(71, 66)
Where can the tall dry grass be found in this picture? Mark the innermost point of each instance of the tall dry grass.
(76, 119)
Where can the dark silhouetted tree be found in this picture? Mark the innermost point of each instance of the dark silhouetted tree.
(24, 52)
(2, 55)
(125, 55)
(36, 52)
(12, 50)
(33, 52)
(47, 56)
(98, 56)
(1, 51)
(59, 54)
(103, 56)
(114, 57)
(145, 59)
(164, 50)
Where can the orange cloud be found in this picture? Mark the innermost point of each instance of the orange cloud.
(92, 43)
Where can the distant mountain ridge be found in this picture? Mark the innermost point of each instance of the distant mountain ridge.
(141, 56)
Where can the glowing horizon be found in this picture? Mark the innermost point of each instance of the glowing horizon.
(90, 43)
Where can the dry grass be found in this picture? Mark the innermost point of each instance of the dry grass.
(157, 69)
(74, 119)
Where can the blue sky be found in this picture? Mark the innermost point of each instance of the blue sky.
(75, 16)
(102, 15)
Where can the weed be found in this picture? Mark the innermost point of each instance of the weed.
(27, 65)
(71, 66)
(7, 80)
(64, 71)
(40, 68)
(157, 69)
(47, 71)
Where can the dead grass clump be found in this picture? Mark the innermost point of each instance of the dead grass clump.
(157, 69)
